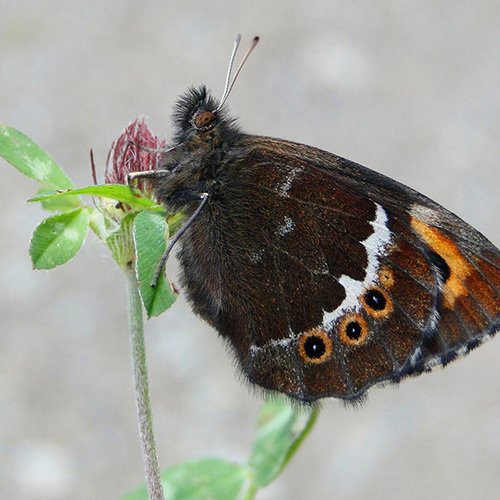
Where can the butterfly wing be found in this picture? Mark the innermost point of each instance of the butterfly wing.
(326, 277)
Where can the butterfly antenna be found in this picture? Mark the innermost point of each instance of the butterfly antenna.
(230, 69)
(230, 83)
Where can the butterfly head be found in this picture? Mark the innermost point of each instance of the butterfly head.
(200, 119)
(203, 132)
(203, 137)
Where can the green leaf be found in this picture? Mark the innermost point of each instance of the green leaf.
(58, 238)
(101, 225)
(121, 242)
(30, 159)
(150, 235)
(63, 204)
(281, 430)
(208, 478)
(119, 192)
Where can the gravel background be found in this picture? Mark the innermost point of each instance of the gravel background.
(408, 88)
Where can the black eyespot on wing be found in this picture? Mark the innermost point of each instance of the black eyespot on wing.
(353, 330)
(314, 347)
(440, 264)
(377, 302)
(375, 299)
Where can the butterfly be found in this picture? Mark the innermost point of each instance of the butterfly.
(323, 276)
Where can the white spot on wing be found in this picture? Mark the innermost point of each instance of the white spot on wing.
(284, 187)
(275, 343)
(285, 228)
(375, 245)
(433, 320)
(425, 214)
(415, 357)
(256, 257)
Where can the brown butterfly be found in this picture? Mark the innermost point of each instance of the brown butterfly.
(323, 276)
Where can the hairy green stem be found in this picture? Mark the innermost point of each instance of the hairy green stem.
(141, 386)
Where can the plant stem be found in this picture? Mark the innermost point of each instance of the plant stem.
(141, 386)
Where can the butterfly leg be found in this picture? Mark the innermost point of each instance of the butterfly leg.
(147, 174)
(176, 238)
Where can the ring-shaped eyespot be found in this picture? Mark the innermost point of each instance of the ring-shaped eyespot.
(315, 346)
(386, 277)
(377, 302)
(353, 330)
(204, 119)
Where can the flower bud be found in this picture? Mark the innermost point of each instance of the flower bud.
(136, 150)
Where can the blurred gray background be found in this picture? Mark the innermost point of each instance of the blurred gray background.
(409, 88)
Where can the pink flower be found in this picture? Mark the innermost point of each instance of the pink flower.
(136, 150)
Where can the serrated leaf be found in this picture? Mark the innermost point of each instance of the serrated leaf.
(30, 159)
(208, 478)
(58, 238)
(150, 234)
(118, 192)
(281, 429)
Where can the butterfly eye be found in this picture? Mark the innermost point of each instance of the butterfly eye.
(204, 119)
